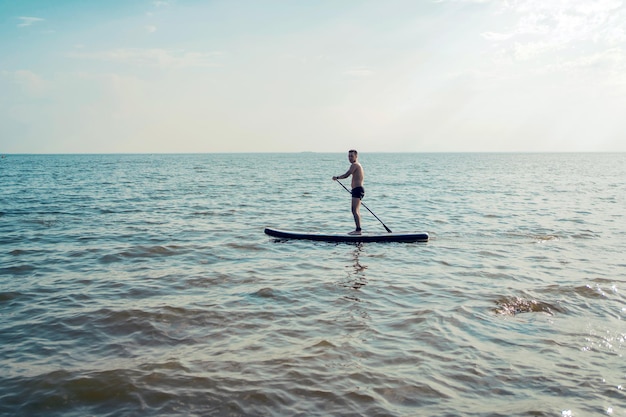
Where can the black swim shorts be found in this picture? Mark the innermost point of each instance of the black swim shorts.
(358, 192)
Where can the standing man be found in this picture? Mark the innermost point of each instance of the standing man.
(356, 170)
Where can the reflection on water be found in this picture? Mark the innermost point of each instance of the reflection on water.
(356, 277)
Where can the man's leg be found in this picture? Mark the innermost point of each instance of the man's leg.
(356, 205)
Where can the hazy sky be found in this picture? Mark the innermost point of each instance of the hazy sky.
(93, 76)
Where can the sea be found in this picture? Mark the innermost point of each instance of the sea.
(144, 285)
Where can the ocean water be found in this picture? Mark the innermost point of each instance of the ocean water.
(143, 285)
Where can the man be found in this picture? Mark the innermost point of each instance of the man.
(356, 170)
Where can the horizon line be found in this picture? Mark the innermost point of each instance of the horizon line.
(3, 154)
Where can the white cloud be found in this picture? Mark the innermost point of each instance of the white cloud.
(359, 72)
(571, 38)
(611, 63)
(546, 26)
(462, 1)
(154, 57)
(150, 28)
(497, 37)
(27, 80)
(29, 21)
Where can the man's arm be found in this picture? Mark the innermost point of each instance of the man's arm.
(347, 174)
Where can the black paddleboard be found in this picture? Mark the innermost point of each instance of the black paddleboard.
(344, 237)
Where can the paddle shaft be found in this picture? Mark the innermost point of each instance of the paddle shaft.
(381, 222)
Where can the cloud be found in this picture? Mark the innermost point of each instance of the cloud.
(359, 72)
(155, 57)
(150, 28)
(611, 64)
(462, 1)
(160, 3)
(29, 21)
(30, 82)
(567, 39)
(543, 26)
(497, 37)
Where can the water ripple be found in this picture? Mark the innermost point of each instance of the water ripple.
(144, 285)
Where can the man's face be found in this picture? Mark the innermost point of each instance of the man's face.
(351, 157)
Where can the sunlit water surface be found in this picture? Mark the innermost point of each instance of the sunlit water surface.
(144, 285)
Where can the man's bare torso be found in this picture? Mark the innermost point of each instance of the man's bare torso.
(357, 174)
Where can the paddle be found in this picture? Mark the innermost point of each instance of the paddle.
(381, 222)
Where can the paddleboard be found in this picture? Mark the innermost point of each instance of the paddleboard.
(344, 237)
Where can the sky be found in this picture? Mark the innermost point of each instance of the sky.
(187, 76)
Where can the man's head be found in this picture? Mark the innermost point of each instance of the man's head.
(353, 155)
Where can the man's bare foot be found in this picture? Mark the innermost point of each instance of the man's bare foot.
(355, 232)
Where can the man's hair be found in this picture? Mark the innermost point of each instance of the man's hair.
(353, 151)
